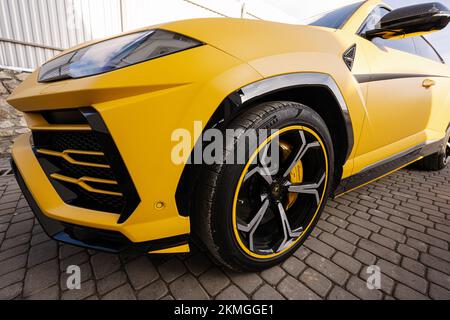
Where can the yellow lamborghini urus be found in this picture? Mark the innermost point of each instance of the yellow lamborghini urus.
(351, 96)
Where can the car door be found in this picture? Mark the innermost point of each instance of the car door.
(398, 103)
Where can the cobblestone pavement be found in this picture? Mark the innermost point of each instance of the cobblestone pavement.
(401, 223)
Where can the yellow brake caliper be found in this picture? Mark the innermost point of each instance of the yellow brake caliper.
(296, 175)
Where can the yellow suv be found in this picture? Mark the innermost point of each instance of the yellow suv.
(117, 127)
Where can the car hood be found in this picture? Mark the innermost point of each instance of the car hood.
(249, 39)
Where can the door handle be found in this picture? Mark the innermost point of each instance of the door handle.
(428, 83)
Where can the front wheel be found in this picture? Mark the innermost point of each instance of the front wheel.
(253, 215)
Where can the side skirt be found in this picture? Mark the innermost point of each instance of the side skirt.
(386, 167)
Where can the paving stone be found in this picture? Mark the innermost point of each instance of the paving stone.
(104, 264)
(247, 282)
(66, 251)
(405, 293)
(302, 253)
(360, 231)
(439, 278)
(365, 257)
(340, 294)
(273, 275)
(293, 289)
(293, 266)
(41, 277)
(337, 243)
(13, 264)
(39, 238)
(347, 262)
(51, 293)
(434, 262)
(188, 288)
(359, 288)
(316, 281)
(364, 223)
(380, 251)
(42, 252)
(198, 263)
(427, 239)
(154, 291)
(384, 241)
(19, 228)
(111, 282)
(11, 292)
(232, 293)
(347, 236)
(124, 292)
(318, 246)
(214, 281)
(439, 253)
(439, 293)
(417, 244)
(141, 272)
(328, 268)
(14, 242)
(172, 270)
(414, 266)
(12, 278)
(404, 276)
(266, 292)
(15, 251)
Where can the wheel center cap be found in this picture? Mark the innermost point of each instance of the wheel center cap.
(276, 190)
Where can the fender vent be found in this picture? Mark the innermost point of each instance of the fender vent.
(349, 57)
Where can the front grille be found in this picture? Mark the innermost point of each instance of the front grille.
(86, 169)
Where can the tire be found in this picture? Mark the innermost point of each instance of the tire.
(437, 161)
(242, 245)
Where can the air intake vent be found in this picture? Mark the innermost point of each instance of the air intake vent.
(349, 57)
(84, 166)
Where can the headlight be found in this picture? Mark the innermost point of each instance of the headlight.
(115, 54)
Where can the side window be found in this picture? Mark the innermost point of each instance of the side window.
(405, 45)
(372, 22)
(424, 49)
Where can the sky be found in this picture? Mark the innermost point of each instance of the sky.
(307, 8)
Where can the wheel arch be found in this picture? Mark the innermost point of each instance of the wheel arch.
(315, 90)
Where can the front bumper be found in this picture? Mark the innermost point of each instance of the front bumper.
(83, 227)
(96, 239)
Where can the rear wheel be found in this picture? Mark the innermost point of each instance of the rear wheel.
(439, 160)
(254, 215)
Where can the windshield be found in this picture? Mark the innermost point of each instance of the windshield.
(334, 19)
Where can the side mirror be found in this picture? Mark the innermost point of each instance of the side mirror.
(412, 21)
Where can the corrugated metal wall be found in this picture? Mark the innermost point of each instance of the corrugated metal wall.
(33, 31)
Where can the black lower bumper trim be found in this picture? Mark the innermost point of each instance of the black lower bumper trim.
(90, 238)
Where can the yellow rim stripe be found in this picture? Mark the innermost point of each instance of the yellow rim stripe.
(66, 156)
(82, 183)
(244, 172)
